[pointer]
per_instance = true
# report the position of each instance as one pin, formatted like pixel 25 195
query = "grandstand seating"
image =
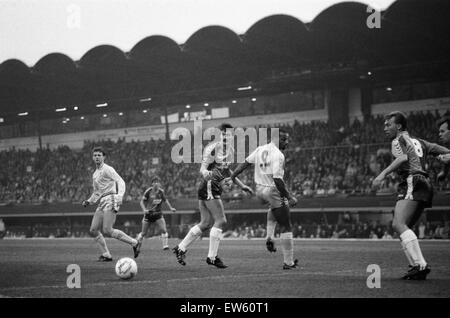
pixel 327 162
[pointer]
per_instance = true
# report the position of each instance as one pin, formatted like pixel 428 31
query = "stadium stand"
pixel 291 67
pixel 64 174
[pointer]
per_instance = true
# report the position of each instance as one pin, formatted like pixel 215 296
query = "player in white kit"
pixel 270 188
pixel 109 189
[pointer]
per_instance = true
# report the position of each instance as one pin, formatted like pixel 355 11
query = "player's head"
pixel 226 131
pixel 98 155
pixel 282 138
pixel 394 123
pixel 444 129
pixel 156 182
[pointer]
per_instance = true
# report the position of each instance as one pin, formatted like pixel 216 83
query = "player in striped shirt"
pixel 109 189
pixel 415 191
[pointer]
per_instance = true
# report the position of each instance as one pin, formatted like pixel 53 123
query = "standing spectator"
pixel 2 229
pixel 422 230
pixel 387 236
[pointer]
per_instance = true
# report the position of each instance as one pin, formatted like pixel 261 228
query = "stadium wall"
pixel 143 133
pixel 354 104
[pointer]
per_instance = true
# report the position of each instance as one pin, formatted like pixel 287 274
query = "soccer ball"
pixel 126 268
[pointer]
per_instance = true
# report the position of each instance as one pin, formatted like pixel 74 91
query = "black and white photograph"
pixel 224 155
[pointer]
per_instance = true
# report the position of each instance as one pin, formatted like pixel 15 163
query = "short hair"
pixel 399 119
pixel 99 149
pixel 225 126
pixel 443 120
pixel 283 130
pixel 155 179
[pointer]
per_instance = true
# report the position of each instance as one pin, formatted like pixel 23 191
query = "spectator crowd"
pixel 246 230
pixel 321 161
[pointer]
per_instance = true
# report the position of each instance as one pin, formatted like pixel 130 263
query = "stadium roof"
pixel 215 56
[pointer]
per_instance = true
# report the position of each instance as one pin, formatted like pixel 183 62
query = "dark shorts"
pixel 209 190
pixel 151 217
pixel 282 215
pixel 416 188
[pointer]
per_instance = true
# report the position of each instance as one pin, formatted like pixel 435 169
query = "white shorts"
pixel 108 203
pixel 270 195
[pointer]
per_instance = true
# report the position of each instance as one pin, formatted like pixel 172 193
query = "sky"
pixel 31 29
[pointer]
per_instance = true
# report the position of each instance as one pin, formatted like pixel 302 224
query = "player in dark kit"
pixel 215 167
pixel 415 192
pixel 151 204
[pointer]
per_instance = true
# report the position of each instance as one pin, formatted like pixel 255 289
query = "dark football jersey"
pixel 417 151
pixel 153 200
pixel 218 158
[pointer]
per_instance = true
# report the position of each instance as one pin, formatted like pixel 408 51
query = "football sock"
pixel 271 225
pixel 405 250
pixel 194 233
pixel 287 246
pixel 409 238
pixel 165 239
pixel 100 240
pixel 121 236
pixel 214 239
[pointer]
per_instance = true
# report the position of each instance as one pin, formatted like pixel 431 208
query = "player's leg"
pixel 142 234
pixel 264 195
pixel 281 213
pixel 94 231
pixel 109 218
pixel 411 224
pixel 161 223
pixel 282 216
pixel 405 211
pixel 270 237
pixel 215 235
pixel 194 233
pixel 144 229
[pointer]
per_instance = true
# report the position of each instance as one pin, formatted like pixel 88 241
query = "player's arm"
pixel 120 184
pixel 391 168
pixel 93 198
pixel 242 166
pixel 239 169
pixel 237 181
pixel 164 199
pixel 278 174
pixel 208 158
pixel 171 208
pixel 442 154
pixel 401 157
pixel 284 193
pixel 143 200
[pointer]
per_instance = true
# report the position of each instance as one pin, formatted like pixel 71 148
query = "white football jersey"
pixel 269 164
pixel 104 181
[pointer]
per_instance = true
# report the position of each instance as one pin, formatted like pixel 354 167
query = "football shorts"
pixel 417 188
